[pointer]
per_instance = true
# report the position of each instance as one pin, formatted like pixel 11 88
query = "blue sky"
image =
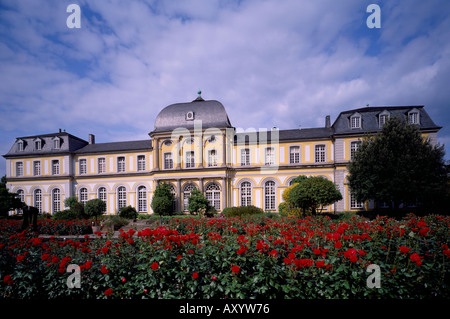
pixel 271 63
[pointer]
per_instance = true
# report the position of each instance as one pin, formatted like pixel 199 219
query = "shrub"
pixel 197 202
pixel 66 214
pixel 242 211
pixel 162 202
pixel 94 208
pixel 128 212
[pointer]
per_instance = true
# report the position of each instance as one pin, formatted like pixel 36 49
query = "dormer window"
pixel 38 144
pixel 355 121
pixel 56 143
pixel 383 118
pixel 413 116
pixel 20 146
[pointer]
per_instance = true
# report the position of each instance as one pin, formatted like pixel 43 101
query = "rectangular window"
pixel 355 204
pixel 20 146
pixel 212 158
pixel 19 169
pixel 355 122
pixel 36 168
pixel 101 165
pixel 141 163
pixel 190 159
pixel 56 143
pixel 383 119
pixel 354 148
pixel 269 158
pixel 55 167
pixel 83 166
pixel 37 145
pixel 319 155
pixel 121 164
pixel 245 156
pixel 294 154
pixel 168 161
pixel 413 118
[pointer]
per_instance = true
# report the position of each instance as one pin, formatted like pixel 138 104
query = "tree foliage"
pixel 8 201
pixel 398 165
pixel 162 202
pixel 94 208
pixel 313 192
pixel 197 202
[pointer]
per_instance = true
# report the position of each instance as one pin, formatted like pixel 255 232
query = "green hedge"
pixel 242 211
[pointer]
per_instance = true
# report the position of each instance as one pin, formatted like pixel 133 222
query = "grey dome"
pixel 212 114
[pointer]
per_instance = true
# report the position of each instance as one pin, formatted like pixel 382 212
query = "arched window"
pixel 83 195
pixel 246 194
pixel 121 197
pixel 186 194
pixel 269 195
pixel 56 200
pixel 213 195
pixel 142 199
pixel 174 203
pixel 101 194
pixel 38 200
pixel 21 195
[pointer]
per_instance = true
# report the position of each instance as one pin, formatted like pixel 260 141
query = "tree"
pixel 8 201
pixel 94 208
pixel 397 165
pixel 162 202
pixel 314 192
pixel 197 202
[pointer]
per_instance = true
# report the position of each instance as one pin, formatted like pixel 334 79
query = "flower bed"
pixel 236 258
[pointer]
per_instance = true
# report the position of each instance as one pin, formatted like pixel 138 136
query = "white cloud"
pixel 271 63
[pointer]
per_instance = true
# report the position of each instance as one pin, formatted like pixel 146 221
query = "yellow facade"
pixel 232 168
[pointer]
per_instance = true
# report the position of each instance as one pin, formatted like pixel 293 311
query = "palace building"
pixel 194 146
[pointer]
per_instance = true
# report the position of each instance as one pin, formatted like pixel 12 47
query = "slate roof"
pixel 370 117
pixel 287 135
pixel 212 114
pixel 69 143
pixel 115 147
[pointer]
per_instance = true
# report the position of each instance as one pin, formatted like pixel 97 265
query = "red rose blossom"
pixel 155 266
pixel 108 292
pixel 195 275
pixel 235 269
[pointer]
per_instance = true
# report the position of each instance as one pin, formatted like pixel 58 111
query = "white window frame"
pixel 101 194
pixel 212 158
pixel 121 164
pixel 38 145
pixel 121 197
pixel 355 121
pixel 270 195
pixel 56 200
pixel 56 143
pixel 383 118
pixel 168 162
pixel 84 195
pixel 101 165
pixel 213 194
pixel 142 199
pixel 320 155
pixel 37 168
pixel 269 156
pixel 353 148
pixel 83 166
pixel 56 169
pixel 187 190
pixel 19 169
pixel 355 204
pixel 20 146
pixel 141 163
pixel 37 199
pixel 189 159
pixel 414 116
pixel 246 193
pixel 245 157
pixel 294 157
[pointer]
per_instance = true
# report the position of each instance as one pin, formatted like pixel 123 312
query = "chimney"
pixel 91 139
pixel 327 121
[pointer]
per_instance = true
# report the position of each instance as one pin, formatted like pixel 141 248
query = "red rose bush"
pixel 280 257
